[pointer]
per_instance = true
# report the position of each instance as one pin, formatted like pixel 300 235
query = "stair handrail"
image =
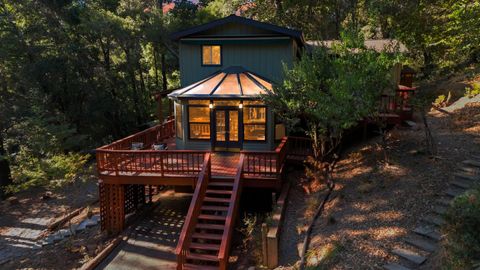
pixel 193 211
pixel 231 215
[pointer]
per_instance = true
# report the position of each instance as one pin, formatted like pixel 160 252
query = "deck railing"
pixel 397 103
pixel 224 250
pixel 266 164
pixel 193 212
pixel 149 136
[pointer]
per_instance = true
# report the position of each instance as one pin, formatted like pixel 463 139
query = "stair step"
pixel 434 219
pixel 440 210
pixel 189 266
pixel 207 236
pixel 395 266
pixel 219 191
pixel 467 177
pixel 475 156
pixel 212 217
pixel 204 246
pixel 219 200
pixel 210 226
pixel 446 201
pixel 220 184
pixel 202 257
pixel 454 192
pixel 409 255
pixel 470 162
pixel 460 184
pixel 470 170
pixel 214 208
pixel 422 244
pixel 427 232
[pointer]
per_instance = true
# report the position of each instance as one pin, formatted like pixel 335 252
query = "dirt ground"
pixel 26 220
pixel 375 204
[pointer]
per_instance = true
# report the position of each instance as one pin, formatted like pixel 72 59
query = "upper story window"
pixel 211 55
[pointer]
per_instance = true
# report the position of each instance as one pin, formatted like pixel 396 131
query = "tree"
pixel 330 92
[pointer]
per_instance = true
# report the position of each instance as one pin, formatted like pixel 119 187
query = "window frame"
pixel 179 136
pixel 211 65
pixel 247 124
pixel 204 123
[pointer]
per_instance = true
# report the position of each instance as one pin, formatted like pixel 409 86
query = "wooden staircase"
pixel 206 235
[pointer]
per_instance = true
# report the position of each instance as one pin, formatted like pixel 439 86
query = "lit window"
pixel 178 120
pixel 211 55
pixel 199 122
pixel 254 122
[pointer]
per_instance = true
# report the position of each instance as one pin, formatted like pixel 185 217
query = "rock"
pixel 13 200
pixel 47 195
pixel 409 255
pixel 422 244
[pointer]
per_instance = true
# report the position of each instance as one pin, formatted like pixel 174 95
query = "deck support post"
pixel 112 207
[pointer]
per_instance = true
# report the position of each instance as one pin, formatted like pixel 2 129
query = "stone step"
pixel 445 201
pixel 470 170
pixel 472 163
pixel 475 156
pixel 421 244
pixel 434 219
pixel 440 210
pixel 409 255
pixel 395 266
pixel 467 176
pixel 428 231
pixel 461 184
pixel 454 192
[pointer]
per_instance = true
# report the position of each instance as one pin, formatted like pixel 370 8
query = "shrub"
pixel 462 229
pixel 51 171
pixel 470 92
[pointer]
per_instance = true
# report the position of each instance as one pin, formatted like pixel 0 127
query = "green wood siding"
pixel 263 59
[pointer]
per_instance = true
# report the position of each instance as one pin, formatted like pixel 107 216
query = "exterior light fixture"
pixel 210 105
pixel 240 106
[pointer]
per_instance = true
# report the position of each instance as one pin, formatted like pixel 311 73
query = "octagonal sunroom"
pixel 225 112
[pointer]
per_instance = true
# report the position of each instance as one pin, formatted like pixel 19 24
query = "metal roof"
pixel 241 20
pixel 232 82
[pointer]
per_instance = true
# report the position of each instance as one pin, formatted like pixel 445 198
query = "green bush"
pixel 51 171
pixel 462 229
pixel 470 92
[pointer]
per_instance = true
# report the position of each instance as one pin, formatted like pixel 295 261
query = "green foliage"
pixel 331 90
pixel 471 92
pixel 52 171
pixel 462 241
pixel 442 100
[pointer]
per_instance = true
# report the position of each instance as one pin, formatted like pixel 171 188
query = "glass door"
pixel 226 128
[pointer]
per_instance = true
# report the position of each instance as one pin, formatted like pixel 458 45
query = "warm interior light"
pixel 240 105
pixel 210 105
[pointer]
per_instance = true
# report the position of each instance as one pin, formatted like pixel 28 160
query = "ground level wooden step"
pixel 207 236
pixel 210 226
pixel 440 209
pixel 214 208
pixel 219 191
pixel 421 244
pixel 409 255
pixel 446 201
pixel 212 217
pixel 395 266
pixel 202 257
pixel 220 184
pixel 218 200
pixel 454 192
pixel 189 266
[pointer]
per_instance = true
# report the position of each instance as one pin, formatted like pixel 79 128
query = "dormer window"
pixel 211 55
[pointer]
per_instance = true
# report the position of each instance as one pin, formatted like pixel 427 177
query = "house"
pixel 225 66
pixel 221 140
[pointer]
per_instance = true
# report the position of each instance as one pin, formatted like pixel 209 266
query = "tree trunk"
pixel 164 74
pixel 5 175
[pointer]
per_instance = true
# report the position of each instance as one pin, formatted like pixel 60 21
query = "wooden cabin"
pixel 225 67
pixel 222 137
